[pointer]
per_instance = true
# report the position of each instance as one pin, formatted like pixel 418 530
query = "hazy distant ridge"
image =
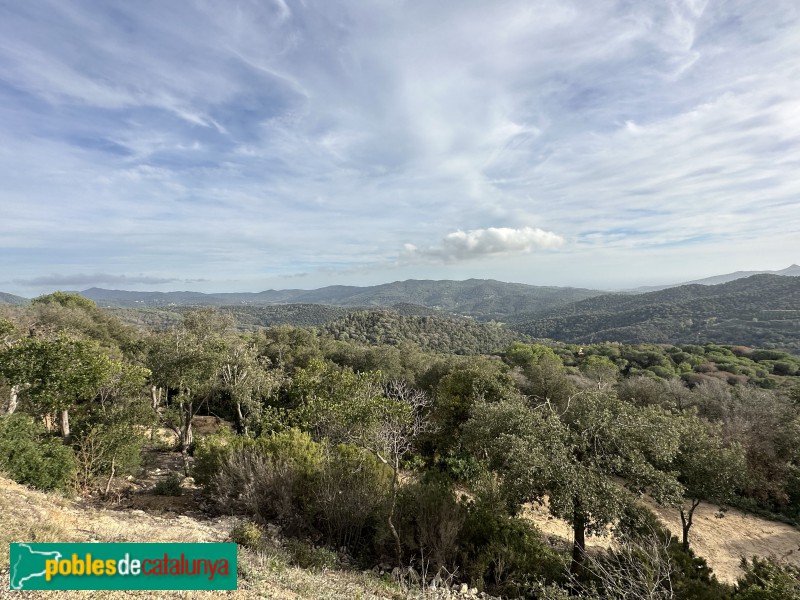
pixel 483 298
pixel 12 299
pixel 760 310
pixel 791 271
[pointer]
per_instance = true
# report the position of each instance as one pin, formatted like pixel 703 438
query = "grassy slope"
pixel 27 515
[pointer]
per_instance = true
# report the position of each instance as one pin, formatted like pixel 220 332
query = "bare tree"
pixel 639 569
pixel 399 424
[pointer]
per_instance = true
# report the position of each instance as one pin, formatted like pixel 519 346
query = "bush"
pixel 504 554
pixel 29 455
pixel 268 478
pixel 307 556
pixel 171 486
pixel 430 519
pixel 248 535
pixel 210 452
pixel 768 579
pixel 350 494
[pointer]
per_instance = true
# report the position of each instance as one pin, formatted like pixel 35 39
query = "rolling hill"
pixel 12 299
pixel 480 298
pixel 790 271
pixel 760 310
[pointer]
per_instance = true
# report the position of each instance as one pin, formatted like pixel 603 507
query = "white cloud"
pixel 493 241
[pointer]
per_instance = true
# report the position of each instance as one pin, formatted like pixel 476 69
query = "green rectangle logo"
pixel 92 566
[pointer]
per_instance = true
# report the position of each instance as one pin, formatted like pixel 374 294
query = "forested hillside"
pixel 762 310
pixel 12 299
pixel 484 299
pixel 430 333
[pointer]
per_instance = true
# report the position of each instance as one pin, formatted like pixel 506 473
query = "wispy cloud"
pixel 271 138
pixel 80 279
pixel 477 243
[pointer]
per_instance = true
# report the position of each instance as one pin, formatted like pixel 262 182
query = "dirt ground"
pixel 28 515
pixel 721 541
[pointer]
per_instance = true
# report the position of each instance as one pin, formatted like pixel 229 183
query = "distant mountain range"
pixel 791 271
pixel 12 299
pixel 480 298
pixel 760 310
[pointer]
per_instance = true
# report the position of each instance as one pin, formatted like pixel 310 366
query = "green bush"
pixel 768 579
pixel 209 454
pixel 29 455
pixel 171 486
pixel 307 556
pixel 268 478
pixel 430 519
pixel 350 497
pixel 503 554
pixel 248 535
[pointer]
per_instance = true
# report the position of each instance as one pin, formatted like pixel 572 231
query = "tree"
pixel 600 369
pixel 571 455
pixel 243 376
pixel 109 432
pixel 57 373
pixel 710 469
pixel 354 408
pixel 185 361
pixel 544 372
pixel 7 370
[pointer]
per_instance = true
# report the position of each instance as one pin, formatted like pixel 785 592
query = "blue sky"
pixel 247 145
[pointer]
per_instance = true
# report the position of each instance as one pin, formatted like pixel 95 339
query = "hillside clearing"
pixel 721 541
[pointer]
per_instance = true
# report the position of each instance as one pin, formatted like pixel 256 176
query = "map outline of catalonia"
pixel 14 569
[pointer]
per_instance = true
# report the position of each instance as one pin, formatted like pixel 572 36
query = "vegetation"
pixel 761 310
pixel 418 441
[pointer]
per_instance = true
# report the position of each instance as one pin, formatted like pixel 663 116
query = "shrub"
pixel 350 493
pixel 504 554
pixel 32 457
pixel 170 486
pixel 209 454
pixel 247 534
pixel 430 522
pixel 768 579
pixel 307 556
pixel 268 478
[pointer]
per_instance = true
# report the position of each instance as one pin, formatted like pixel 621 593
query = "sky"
pixel 251 145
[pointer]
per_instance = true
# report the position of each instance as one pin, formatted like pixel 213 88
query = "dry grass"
pixel 27 515
pixel 721 541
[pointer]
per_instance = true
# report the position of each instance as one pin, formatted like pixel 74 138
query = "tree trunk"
pixel 579 538
pixel 155 397
pixel 186 434
pixel 241 427
pixel 12 400
pixel 111 477
pixel 64 423
pixel 390 518
pixel 686 522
